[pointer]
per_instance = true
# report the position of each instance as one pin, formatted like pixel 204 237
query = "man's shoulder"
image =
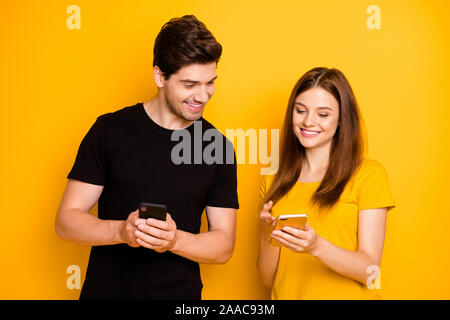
pixel 123 115
pixel 206 125
pixel 209 131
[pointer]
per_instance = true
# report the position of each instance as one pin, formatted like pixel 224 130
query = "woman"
pixel 324 174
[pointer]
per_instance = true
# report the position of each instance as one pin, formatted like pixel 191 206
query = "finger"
pixel 134 244
pixel 298 233
pixel 138 222
pixel 269 220
pixel 155 232
pixel 170 221
pixel 268 206
pixel 274 222
pixel 287 244
pixel 290 238
pixel 168 224
pixel 164 225
pixel 267 217
pixel 148 238
pixel 131 217
pixel 145 244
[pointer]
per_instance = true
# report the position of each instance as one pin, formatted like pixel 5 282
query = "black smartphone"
pixel 152 210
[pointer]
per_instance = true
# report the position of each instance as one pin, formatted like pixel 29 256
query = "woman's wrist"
pixel 265 237
pixel 318 248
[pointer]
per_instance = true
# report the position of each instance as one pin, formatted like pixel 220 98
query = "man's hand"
pixel 128 229
pixel 156 234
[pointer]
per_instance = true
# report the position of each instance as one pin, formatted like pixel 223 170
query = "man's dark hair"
pixel 184 41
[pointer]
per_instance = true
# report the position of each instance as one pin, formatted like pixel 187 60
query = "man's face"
pixel 188 90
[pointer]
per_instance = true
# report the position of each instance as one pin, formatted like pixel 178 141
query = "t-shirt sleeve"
pixel 223 192
pixel 90 162
pixel 374 189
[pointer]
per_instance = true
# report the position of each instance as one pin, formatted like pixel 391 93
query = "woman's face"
pixel 315 118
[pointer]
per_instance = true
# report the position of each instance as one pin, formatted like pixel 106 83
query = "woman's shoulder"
pixel 369 167
pixel 371 164
pixel 264 187
pixel 267 180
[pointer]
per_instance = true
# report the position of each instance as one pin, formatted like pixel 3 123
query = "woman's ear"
pixel 158 76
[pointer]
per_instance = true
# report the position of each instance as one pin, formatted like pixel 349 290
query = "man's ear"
pixel 158 76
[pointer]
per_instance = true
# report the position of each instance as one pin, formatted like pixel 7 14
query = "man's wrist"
pixel 116 227
pixel 176 245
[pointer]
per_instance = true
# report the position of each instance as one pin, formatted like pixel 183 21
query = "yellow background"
pixel 54 82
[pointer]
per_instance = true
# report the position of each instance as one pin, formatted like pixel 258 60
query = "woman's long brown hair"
pixel 347 147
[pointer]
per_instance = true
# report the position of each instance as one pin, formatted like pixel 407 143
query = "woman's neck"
pixel 315 164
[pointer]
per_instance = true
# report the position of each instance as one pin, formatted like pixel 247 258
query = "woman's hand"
pixel 297 240
pixel 267 221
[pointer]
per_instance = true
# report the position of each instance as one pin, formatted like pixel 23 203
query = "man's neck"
pixel 158 110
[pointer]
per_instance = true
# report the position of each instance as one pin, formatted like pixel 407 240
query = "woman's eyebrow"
pixel 321 107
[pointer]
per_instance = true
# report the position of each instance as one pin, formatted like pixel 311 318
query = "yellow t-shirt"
pixel 302 276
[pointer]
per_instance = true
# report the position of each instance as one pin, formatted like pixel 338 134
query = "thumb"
pixel 170 220
pixel 133 216
pixel 269 219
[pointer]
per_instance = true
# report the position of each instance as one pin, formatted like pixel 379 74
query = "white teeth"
pixel 194 105
pixel 309 132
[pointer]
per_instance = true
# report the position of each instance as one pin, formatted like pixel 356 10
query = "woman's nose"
pixel 309 120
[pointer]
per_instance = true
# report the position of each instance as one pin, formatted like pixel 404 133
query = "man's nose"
pixel 202 95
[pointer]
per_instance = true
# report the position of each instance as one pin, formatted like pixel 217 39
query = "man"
pixel 125 159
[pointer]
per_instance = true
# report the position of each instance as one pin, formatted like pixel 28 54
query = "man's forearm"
pixel 83 228
pixel 206 247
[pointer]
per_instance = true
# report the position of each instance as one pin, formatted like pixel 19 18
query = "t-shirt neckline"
pixel 156 126
pixel 309 183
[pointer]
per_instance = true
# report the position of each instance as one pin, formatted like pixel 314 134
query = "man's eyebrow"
pixel 321 107
pixel 188 81
pixel 194 81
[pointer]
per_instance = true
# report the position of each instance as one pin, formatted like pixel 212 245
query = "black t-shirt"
pixel 131 156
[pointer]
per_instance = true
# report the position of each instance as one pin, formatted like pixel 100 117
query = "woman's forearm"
pixel 352 264
pixel 267 262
